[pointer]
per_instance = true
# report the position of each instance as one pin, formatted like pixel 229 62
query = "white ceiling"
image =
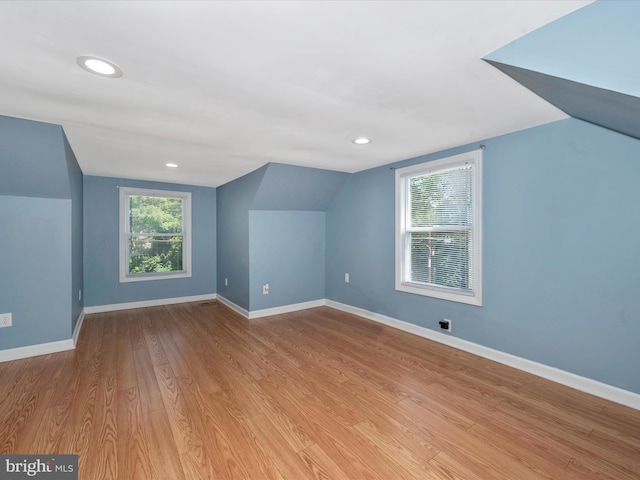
pixel 223 87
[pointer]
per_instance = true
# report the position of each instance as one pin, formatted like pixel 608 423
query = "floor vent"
pixel 209 304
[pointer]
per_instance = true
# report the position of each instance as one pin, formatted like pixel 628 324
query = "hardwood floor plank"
pixel 526 452
pixel 125 365
pixel 394 448
pixel 146 379
pixel 77 438
pixel 281 411
pixel 581 468
pixel 275 445
pixel 319 463
pixel 55 425
pixel 445 467
pixel 243 441
pixel 105 432
pixel 224 434
pixel 28 412
pixel 133 447
pixel 163 454
pixel 195 391
pixel 13 383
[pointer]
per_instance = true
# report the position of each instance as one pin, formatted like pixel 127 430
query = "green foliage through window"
pixel 155 234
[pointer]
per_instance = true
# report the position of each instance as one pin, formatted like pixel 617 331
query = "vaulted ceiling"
pixel 223 87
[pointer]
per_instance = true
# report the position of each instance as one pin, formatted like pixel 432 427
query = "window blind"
pixel 440 227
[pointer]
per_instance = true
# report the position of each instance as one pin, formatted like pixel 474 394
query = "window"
pixel 438 228
pixel 155 234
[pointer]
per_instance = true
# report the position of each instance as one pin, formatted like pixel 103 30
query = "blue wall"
pixel 234 200
pixel 77 234
pixel 101 254
pixel 41 246
pixel 560 251
pixel 35 247
pixel 33 159
pixel 271 229
pixel 287 251
pixel 288 187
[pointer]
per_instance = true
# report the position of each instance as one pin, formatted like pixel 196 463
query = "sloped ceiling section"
pixel 583 64
pixel 609 109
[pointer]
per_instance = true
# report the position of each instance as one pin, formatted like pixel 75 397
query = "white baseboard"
pixel 233 306
pixel 36 350
pixel 266 312
pixel 286 308
pixel 587 385
pixel 149 303
pixel 76 330
pixel 43 348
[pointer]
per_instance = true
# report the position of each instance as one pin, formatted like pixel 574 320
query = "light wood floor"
pixel 194 391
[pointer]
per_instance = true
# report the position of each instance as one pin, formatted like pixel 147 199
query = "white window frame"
pixel 125 276
pixel 402 175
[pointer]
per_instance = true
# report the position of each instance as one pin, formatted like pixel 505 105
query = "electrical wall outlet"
pixel 226 282
pixel 346 278
pixel 445 324
pixel 265 289
pixel 5 320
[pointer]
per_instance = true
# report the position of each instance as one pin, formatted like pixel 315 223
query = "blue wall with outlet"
pixel 41 244
pixel 101 250
pixel 287 251
pixel 36 270
pixel 271 230
pixel 560 251
pixel 234 201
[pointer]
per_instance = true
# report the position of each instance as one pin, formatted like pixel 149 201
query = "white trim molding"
pixel 125 234
pixel 266 312
pixel 587 385
pixel 236 308
pixel 405 229
pixel 76 330
pixel 149 303
pixel 36 350
pixel 294 307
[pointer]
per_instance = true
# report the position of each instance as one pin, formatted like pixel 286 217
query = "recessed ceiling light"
pixel 361 140
pixel 99 66
pixel 172 165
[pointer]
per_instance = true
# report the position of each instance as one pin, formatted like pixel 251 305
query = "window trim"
pixel 125 193
pixel 401 175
